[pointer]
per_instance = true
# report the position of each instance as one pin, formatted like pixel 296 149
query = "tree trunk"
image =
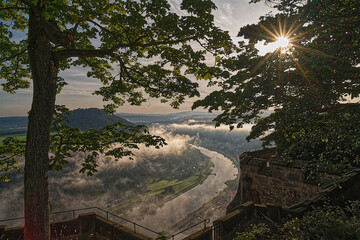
pixel 44 74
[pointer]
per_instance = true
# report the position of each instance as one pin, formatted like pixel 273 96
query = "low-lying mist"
pixel 114 181
pixel 117 181
pixel 221 139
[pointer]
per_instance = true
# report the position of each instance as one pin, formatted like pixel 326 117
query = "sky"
pixel 230 16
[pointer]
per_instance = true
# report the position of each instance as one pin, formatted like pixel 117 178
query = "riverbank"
pixel 162 191
pixel 163 217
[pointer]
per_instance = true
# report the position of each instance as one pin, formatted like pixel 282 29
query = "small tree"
pixel 137 49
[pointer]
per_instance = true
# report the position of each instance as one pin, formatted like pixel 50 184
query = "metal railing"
pixel 11 219
pixel 108 214
pixel 74 211
pixel 205 221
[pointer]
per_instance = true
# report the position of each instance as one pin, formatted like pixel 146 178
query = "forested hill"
pixel 13 125
pixel 92 118
pixel 82 118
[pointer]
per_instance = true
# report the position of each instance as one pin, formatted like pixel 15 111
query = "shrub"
pixel 255 232
pixel 326 222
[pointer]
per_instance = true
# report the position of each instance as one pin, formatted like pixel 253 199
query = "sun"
pixel 279 43
pixel 279 40
pixel 282 42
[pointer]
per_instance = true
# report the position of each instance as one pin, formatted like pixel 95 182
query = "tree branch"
pixel 13 56
pixel 30 4
pixel 125 69
pixel 74 30
pixel 53 162
pixel 57 36
pixel 101 27
pixel 137 44
pixel 67 53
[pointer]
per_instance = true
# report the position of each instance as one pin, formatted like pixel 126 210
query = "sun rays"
pixel 280 40
pixel 285 45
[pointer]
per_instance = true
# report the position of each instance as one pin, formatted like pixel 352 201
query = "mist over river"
pixel 173 211
pixel 118 183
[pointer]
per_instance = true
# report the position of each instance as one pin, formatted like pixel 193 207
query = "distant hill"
pixel 179 117
pixel 92 118
pixel 82 118
pixel 13 122
pixel 13 125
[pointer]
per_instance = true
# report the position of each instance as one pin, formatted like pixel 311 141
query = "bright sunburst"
pixel 282 42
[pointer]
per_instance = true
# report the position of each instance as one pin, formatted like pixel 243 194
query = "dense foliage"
pixel 327 222
pixel 131 34
pixel 303 97
pixel 137 49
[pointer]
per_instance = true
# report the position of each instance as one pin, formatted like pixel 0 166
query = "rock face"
pixel 266 180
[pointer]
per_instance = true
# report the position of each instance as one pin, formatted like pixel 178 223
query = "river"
pixel 178 208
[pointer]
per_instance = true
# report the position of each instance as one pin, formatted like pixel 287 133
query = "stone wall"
pixel 266 180
pixel 225 228
pixel 275 184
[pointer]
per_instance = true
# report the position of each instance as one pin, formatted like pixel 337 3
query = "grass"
pixel 156 187
pixel 21 136
pixel 161 185
pixel 229 183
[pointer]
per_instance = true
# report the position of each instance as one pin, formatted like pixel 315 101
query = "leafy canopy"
pixel 298 97
pixel 137 49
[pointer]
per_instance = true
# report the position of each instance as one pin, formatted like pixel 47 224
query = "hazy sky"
pixel 230 16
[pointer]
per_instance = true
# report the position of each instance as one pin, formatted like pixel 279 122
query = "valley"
pixel 139 189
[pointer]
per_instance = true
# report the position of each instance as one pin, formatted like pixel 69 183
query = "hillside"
pixel 13 125
pixel 81 118
pixel 92 118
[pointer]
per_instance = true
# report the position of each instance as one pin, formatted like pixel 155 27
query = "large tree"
pixel 136 48
pixel 304 96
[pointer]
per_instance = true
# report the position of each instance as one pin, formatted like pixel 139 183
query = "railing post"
pixel 212 232
pixel 173 237
pixel 134 227
pixel 73 212
pixel 107 216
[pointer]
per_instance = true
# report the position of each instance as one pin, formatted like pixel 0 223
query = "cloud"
pixel 70 189
pixel 231 15
pixel 177 144
pixel 208 127
pixel 12 200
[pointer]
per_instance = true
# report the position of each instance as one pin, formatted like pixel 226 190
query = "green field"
pixel 160 184
pixel 157 187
